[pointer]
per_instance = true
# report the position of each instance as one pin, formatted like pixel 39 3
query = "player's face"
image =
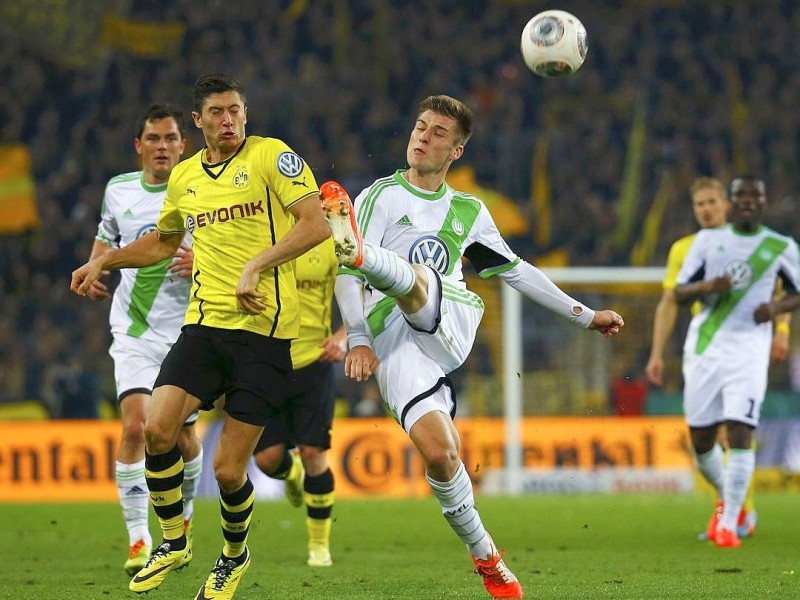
pixel 433 144
pixel 222 121
pixel 748 200
pixel 160 147
pixel 710 207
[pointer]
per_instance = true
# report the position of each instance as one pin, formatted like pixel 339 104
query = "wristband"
pixel 782 327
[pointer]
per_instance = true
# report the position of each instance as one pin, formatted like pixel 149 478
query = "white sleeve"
pixel 348 289
pixel 107 229
pixel 533 284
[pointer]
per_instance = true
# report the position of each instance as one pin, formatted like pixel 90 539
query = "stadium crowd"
pixel 670 90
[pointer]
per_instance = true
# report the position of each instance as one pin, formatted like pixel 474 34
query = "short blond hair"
pixel 705 183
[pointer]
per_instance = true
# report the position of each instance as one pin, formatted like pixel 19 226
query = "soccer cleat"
pixel 224 578
pixel 746 525
pixel 319 556
pixel 726 538
pixel 498 580
pixel 293 485
pixel 138 554
pixel 161 561
pixel 711 529
pixel 338 210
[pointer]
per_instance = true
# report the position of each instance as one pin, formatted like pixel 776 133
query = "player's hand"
pixel 655 371
pixel 334 348
pixel 763 313
pixel 360 363
pixel 83 277
pixel 98 290
pixel 248 299
pixel 716 285
pixel 607 322
pixel 182 262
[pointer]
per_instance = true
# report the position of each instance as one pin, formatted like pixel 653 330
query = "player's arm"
pixel 663 323
pixel 697 288
pixel 361 362
pixel 308 231
pixel 782 331
pixel 98 290
pixel 334 347
pixel 148 250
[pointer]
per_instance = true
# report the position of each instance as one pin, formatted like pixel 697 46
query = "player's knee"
pixel 158 439
pixel 133 433
pixel 229 476
pixel 441 459
pixel 269 460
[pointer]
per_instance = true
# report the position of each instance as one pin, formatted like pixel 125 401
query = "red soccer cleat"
pixel 726 538
pixel 498 580
pixel 341 218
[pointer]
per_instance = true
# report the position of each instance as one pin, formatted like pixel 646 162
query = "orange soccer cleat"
pixel 726 538
pixel 711 530
pixel 498 579
pixel 341 218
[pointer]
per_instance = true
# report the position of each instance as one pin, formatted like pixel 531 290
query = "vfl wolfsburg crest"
pixel 240 178
pixel 432 252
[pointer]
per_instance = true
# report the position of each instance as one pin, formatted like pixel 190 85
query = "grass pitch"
pixel 616 547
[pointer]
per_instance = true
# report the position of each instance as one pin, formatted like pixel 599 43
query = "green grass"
pixel 559 546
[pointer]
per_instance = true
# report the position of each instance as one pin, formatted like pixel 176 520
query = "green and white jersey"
pixel 431 228
pixel 725 327
pixel 149 303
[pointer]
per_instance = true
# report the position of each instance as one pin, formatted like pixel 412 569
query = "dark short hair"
pixel 736 183
pixel 450 107
pixel 156 112
pixel 214 83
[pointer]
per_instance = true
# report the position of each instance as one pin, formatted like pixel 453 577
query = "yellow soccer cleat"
pixel 319 556
pixel 294 481
pixel 138 554
pixel 162 561
pixel 224 578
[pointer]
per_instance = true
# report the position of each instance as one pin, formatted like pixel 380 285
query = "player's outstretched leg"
pixel 384 269
pixel 319 497
pixel 458 507
pixel 135 503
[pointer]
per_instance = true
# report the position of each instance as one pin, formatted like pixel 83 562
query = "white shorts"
pixel 416 352
pixel 136 366
pixel 722 389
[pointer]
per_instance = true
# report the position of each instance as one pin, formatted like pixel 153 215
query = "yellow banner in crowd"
pixel 75 460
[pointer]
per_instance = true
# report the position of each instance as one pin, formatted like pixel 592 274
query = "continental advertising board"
pixel 75 460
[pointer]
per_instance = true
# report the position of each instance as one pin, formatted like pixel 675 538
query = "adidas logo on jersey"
pixel 135 491
pixel 128 213
pixel 404 221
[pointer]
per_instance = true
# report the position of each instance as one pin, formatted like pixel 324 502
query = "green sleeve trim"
pixel 486 273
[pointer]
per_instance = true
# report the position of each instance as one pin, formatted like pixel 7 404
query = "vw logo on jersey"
pixel 432 252
pixel 740 273
pixel 289 164
pixel 190 223
pixel 145 229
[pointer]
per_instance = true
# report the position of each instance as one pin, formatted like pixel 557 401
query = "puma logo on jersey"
pixel 404 221
pixel 191 192
pixel 303 183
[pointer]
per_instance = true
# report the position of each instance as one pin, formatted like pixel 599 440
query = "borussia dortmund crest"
pixel 240 178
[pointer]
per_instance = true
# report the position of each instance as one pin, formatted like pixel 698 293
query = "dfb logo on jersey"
pixel 190 223
pixel 289 164
pixel 144 230
pixel 740 273
pixel 431 252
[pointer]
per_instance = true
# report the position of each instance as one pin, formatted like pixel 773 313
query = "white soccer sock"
pixel 458 508
pixel 712 464
pixel 134 499
pixel 191 479
pixel 738 473
pixel 386 271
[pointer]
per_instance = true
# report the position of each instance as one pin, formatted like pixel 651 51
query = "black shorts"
pixel 307 417
pixel 250 369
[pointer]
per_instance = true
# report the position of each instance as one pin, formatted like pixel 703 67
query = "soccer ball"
pixel 554 43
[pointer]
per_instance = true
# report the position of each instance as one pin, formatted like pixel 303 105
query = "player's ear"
pixel 457 152
pixel 137 144
pixel 196 119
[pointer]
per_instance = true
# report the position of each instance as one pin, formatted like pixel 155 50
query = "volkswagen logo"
pixel 431 252
pixel 289 164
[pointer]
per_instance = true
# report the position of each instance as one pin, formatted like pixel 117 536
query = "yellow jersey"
pixel 235 210
pixel 316 273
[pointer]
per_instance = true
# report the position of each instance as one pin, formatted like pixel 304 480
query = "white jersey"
pixel 725 326
pixel 429 228
pixel 149 303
